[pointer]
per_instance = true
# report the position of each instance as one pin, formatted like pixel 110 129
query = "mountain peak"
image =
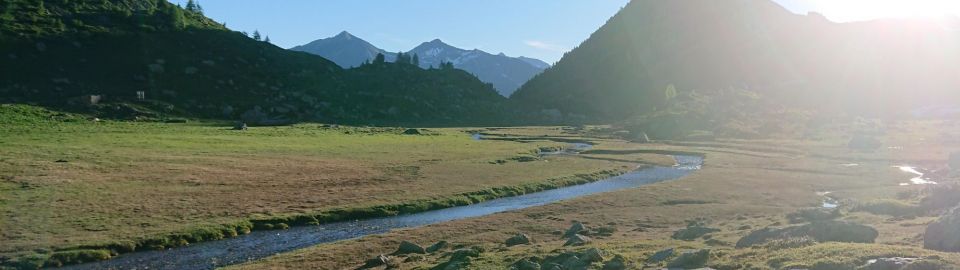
pixel 344 35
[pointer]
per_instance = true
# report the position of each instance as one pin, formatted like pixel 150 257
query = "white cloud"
pixel 545 46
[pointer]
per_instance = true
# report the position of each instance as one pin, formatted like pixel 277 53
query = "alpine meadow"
pixel 443 135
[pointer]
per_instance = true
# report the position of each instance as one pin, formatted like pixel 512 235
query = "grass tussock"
pixel 894 208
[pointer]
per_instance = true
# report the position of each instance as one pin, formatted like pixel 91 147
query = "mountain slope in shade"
pixel 344 49
pixel 152 59
pixel 870 67
pixel 505 73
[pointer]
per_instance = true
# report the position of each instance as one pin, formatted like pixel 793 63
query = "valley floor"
pixel 744 186
pixel 70 184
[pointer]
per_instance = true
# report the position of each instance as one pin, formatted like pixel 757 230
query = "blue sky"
pixel 542 29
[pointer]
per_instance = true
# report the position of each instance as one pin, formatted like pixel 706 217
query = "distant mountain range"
pixel 506 73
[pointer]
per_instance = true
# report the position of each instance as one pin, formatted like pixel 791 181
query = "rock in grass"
pixel 944 234
pixel 591 255
pixel 577 240
pixel 821 231
pixel 693 232
pixel 437 247
pixel 519 239
pixel 375 262
pixel 838 231
pixel 617 263
pixel 691 259
pixel 407 247
pixel 412 131
pixel 240 126
pixel 575 229
pixel 525 264
pixel 465 253
pixel 661 256
pixel 895 263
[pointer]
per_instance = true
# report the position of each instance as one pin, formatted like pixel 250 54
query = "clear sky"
pixel 542 29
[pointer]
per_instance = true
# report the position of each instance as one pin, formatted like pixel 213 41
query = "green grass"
pixel 69 184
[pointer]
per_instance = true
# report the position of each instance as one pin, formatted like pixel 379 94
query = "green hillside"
pixel 58 53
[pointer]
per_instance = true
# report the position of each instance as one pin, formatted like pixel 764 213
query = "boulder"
pixel 693 232
pixel 660 256
pixel 577 240
pixel 407 247
pixel 437 247
pixel 412 131
pixel 375 262
pixel 591 255
pixel 574 229
pixel 691 259
pixel 519 239
pixel 465 253
pixel 838 231
pixel 944 233
pixel 525 264
pixel 240 126
pixel 821 231
pixel 617 263
pixel 895 263
pixel 574 262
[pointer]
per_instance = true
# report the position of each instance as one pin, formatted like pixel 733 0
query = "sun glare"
pixel 853 10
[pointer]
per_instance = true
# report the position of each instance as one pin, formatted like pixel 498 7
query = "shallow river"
pixel 262 244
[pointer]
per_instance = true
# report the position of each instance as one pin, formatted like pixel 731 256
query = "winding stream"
pixel 261 244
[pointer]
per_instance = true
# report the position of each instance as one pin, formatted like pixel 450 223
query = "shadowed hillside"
pixel 60 53
pixel 804 61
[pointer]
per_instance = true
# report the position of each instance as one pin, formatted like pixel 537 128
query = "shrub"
pixel 890 208
pixel 813 214
pixel 61 258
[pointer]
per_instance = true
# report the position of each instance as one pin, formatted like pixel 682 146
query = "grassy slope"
pixel 57 51
pixel 124 181
pixel 744 183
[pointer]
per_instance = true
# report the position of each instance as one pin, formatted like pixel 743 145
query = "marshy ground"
pixel 745 186
pixel 72 187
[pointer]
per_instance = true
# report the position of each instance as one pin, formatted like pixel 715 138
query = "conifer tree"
pixel 403 58
pixel 191 6
pixel 380 59
pixel 416 60
pixel 267 39
pixel 256 35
